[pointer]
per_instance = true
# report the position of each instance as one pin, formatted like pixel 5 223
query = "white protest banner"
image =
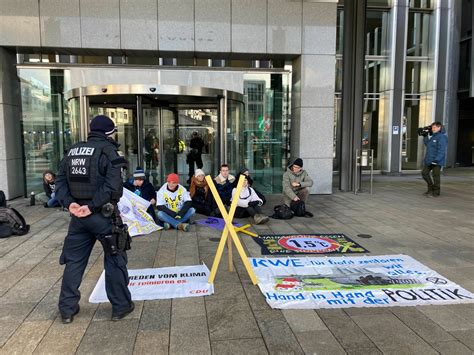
pixel 161 283
pixel 133 212
pixel 359 281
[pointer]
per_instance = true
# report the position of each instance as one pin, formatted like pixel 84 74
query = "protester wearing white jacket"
pixel 249 204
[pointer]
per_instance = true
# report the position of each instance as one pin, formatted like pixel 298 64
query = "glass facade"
pixel 47 124
pixel 156 135
pixel 418 78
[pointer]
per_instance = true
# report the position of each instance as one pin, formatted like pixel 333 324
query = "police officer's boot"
pixel 122 315
pixel 69 319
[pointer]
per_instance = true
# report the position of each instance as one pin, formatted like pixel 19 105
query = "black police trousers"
pixel 81 237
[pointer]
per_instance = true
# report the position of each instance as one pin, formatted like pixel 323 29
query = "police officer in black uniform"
pixel 89 184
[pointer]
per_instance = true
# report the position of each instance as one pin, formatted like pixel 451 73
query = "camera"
pixel 424 131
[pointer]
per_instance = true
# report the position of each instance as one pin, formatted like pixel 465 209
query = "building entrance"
pixel 163 133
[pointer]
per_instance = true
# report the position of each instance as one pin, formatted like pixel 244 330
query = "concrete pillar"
pixel 11 150
pixel 313 86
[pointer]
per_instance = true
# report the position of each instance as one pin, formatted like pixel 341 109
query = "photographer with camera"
pixel 436 142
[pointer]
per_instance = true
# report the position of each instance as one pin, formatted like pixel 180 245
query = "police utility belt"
pixel 119 239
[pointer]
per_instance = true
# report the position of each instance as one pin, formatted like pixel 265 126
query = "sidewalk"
pixel 438 232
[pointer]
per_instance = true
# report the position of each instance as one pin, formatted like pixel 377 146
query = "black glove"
pixel 435 162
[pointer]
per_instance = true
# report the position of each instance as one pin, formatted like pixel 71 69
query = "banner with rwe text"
pixel 359 281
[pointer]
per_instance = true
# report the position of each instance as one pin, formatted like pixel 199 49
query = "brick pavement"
pixel 236 319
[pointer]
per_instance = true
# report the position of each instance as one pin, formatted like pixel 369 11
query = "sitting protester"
pixel 143 188
pixel 246 172
pixel 49 186
pixel 200 194
pixel 224 184
pixel 174 204
pixel 249 204
pixel 296 183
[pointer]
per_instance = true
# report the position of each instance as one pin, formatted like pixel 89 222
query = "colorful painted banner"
pixel 287 244
pixel 133 212
pixel 358 281
pixel 214 222
pixel 162 283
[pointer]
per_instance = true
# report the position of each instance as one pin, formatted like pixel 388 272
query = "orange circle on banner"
pixel 306 244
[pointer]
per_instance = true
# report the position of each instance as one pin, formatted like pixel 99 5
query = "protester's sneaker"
pixel 428 193
pixel 45 205
pixel 125 313
pixel 166 226
pixel 260 219
pixel 183 227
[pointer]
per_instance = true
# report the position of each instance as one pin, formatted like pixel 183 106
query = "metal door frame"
pixel 221 97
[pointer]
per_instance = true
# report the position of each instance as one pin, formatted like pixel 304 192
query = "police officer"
pixel 89 181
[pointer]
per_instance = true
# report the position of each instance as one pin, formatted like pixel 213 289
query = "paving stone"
pixel 422 325
pixel 376 327
pixel 346 331
pixel 276 333
pixel 465 336
pixel 254 346
pixel 319 342
pixel 303 320
pixel 66 338
pixel 363 351
pixel 150 341
pixel 120 337
pixel 255 297
pixel 29 290
pixel 11 317
pixel 447 319
pixel 26 337
pixel 230 318
pixel 452 347
pixel 156 315
pixel 189 335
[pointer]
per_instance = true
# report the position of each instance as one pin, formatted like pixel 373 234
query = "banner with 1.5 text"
pixel 358 281
pixel 161 283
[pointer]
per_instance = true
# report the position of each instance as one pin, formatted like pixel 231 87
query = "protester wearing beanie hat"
pixel 298 162
pixel 199 172
pixel 174 204
pixel 296 183
pixel 173 178
pixel 139 173
pixel 104 124
pixel 140 186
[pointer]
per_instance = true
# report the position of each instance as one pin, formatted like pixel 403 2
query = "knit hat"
pixel 104 124
pixel 299 162
pixel 139 173
pixel 199 172
pixel 173 178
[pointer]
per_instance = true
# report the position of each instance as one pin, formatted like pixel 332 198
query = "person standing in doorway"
pixel 436 144
pixel 195 154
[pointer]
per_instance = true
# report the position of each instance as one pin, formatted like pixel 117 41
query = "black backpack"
pixel 3 199
pixel 282 212
pixel 298 208
pixel 12 218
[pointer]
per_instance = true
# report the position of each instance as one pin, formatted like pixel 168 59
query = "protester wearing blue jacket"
pixel 436 145
pixel 143 188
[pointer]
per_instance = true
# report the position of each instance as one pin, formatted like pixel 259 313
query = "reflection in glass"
pixel 48 126
pixel 259 140
pixel 418 33
pixel 126 122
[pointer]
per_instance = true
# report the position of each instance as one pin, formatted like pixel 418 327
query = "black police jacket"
pixel 90 173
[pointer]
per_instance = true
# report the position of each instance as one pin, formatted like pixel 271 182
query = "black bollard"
pixel 32 199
